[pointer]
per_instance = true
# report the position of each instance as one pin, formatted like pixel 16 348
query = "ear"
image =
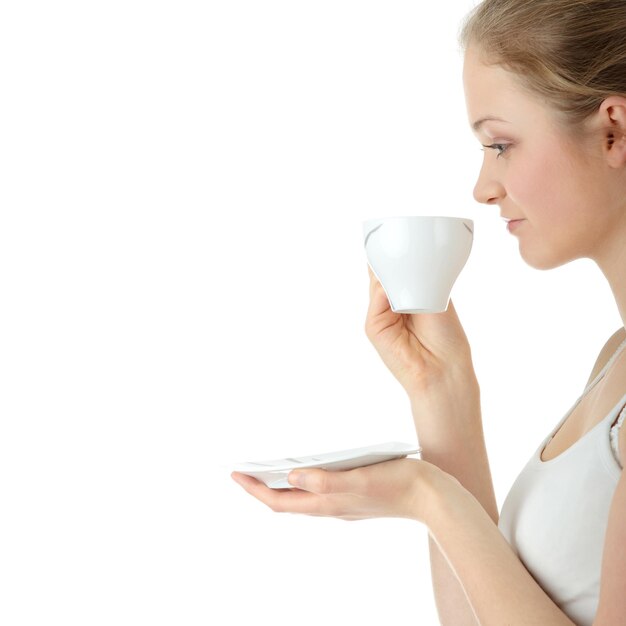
pixel 613 118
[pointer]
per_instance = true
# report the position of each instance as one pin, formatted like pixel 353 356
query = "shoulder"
pixel 605 354
pixel 613 576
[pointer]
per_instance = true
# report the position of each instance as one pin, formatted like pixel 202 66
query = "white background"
pixel 183 286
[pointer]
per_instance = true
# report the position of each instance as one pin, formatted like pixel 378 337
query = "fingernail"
pixel 296 479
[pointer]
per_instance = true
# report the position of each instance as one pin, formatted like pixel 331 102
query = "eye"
pixel 500 147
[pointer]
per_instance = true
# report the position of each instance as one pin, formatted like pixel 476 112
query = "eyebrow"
pixel 476 125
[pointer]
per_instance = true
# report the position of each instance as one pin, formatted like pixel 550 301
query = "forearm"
pixel 449 428
pixel 469 465
pixel 499 588
pixel 452 604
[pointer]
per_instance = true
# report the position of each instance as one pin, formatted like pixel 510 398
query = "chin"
pixel 544 260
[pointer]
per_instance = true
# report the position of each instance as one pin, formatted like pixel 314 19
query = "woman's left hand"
pixel 398 488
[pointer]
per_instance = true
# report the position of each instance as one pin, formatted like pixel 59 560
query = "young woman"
pixel 545 85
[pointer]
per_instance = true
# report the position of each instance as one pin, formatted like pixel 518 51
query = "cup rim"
pixel 418 217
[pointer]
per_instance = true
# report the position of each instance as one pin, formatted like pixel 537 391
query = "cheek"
pixel 553 193
pixel 544 188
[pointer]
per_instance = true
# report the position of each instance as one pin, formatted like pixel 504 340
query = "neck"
pixel 613 266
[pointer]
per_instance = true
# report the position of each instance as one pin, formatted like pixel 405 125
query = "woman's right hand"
pixel 421 349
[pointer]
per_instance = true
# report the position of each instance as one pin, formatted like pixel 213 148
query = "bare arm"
pixel 457 447
pixel 499 589
pixel 430 356
pixel 449 426
pixel 483 560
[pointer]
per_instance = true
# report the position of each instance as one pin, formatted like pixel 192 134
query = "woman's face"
pixel 566 195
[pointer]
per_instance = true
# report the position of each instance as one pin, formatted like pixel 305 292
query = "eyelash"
pixel 501 147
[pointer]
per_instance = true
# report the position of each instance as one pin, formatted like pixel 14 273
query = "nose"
pixel 488 189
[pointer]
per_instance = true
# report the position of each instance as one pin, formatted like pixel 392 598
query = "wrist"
pixel 432 486
pixel 454 379
pixel 452 402
pixel 441 375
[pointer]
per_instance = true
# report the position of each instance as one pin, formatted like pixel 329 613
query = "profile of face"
pixel 570 193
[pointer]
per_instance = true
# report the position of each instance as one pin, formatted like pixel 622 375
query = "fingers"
pixel 373 280
pixel 324 482
pixel 279 500
pixel 441 334
pixel 311 481
pixel 379 303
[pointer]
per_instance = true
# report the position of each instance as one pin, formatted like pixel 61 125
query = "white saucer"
pixel 274 473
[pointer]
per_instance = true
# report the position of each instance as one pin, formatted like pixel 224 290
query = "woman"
pixel 545 87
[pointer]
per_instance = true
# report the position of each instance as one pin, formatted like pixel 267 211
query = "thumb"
pixel 439 331
pixel 321 481
pixel 379 302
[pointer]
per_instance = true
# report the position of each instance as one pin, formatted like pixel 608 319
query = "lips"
pixel 513 224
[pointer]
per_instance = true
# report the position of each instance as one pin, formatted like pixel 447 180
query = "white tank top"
pixel 556 513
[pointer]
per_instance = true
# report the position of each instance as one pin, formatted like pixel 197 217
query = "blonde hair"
pixel 570 53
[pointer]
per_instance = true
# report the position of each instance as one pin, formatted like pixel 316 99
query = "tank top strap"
pixel 605 369
pixel 614 434
pixel 536 459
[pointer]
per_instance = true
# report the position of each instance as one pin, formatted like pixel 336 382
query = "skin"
pixel 571 194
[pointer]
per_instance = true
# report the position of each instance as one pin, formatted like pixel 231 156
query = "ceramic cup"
pixel 417 259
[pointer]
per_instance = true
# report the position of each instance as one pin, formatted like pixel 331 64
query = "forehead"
pixel 492 91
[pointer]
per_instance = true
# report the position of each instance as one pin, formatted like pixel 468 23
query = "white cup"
pixel 417 259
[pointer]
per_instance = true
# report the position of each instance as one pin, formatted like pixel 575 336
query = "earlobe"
pixel 616 149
